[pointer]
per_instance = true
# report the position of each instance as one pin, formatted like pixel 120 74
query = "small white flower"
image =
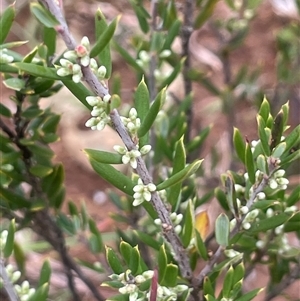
pixel 142 192
pixel 133 113
pixel 145 149
pixel 148 274
pixel 279 173
pixel 101 72
pixel 70 55
pixel 282 181
pixel 144 56
pixel 165 53
pixel 4 57
pixel 93 100
pixel 273 184
pixel 107 98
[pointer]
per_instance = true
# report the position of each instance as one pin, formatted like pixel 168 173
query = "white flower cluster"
pixel 277 181
pixel 169 293
pixel 130 156
pixel 100 117
pixel 131 286
pixel 132 122
pixel 24 290
pixel 175 219
pixel 69 65
pixel 142 192
pixel 4 57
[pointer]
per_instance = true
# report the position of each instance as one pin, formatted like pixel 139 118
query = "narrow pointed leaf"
pixel 200 246
pixel 43 15
pixel 239 145
pixel 205 13
pixel 250 163
pixel 170 279
pixel 188 225
pixel 113 261
pixel 6 21
pixel 37 70
pixel 104 157
pixel 45 273
pixel 162 263
pixel 180 176
pixel 172 34
pixel 104 39
pixel 228 283
pixel 152 113
pixel 113 176
pixel 264 110
pixel 263 136
pixel 4 111
pixel 9 245
pixel 277 129
pixel 104 56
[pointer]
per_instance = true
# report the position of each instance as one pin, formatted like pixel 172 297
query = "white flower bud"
pixel 279 173
pixel 269 212
pixel 132 113
pixel 85 42
pixel 107 98
pixel 260 244
pixel 144 56
pixel 261 195
pixel 157 221
pixel 178 229
pixel 151 187
pixel 93 100
pixel 148 274
pixel 140 279
pixel 273 184
pixel 244 210
pixel 246 225
pixel 282 181
pixel 70 55
pixel 145 149
pixel 165 53
pixel 15 276
pixel 101 72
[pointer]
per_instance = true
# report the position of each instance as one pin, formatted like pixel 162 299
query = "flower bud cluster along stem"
pixel 100 90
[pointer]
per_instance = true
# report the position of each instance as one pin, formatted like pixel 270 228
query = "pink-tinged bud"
pixel 81 50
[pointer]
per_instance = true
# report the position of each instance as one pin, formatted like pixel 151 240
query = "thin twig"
pixel 169 232
pixel 7 285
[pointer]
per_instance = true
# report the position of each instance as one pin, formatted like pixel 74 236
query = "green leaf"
pixel 5 111
pixel 113 176
pixel 32 112
pixel 205 13
pixel 250 163
pixel 178 165
pixel 188 225
pixel 40 170
pixel 231 195
pixel 14 83
pixel 261 163
pixel 103 157
pixel 221 197
pixel 141 14
pixel 279 150
pixel 142 105
pixel 208 287
pixel 228 283
pixel 15 200
pixel 180 176
pixel 239 145
pixel 162 263
pixel 104 39
pixel 239 273
pixel 45 273
pixel 152 113
pixel 96 242
pixel 49 39
pixel 269 223
pixel 292 139
pixel 41 294
pixel 131 256
pixel 293 197
pixel 250 295
pixel 277 129
pixel 170 279
pixel 43 15
pixel 9 245
pixel 37 70
pixel 6 22
pixel 113 261
pixel 263 135
pixel 147 239
pixel 127 57
pixel 264 110
pixel 173 32
pixel 197 142
pixel 104 56
pixel 222 230
pixel 200 246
